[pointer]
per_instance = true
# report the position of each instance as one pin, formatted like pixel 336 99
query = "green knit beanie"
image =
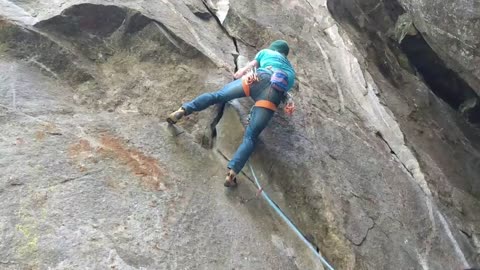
pixel 280 46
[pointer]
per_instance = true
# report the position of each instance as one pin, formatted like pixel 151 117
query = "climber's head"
pixel 280 46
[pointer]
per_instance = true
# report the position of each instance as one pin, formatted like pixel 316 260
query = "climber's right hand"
pixel 239 74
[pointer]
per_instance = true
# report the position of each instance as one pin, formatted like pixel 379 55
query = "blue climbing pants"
pixel 259 117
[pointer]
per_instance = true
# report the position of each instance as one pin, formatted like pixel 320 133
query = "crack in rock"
pixel 234 40
pixel 209 143
pixel 358 225
pixel 366 234
pixel 69 179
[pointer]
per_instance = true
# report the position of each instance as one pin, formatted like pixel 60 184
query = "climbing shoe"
pixel 231 179
pixel 174 117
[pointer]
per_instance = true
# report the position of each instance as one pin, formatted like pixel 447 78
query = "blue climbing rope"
pixel 288 221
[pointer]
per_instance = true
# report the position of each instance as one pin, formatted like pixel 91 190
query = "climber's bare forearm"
pixel 245 69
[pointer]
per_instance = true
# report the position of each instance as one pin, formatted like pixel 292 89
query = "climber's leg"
pixel 258 121
pixel 230 91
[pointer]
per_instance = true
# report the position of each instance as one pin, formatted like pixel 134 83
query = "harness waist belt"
pixel 266 104
pixel 246 82
pixel 246 87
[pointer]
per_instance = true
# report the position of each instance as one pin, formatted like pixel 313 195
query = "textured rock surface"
pixel 373 167
pixel 453 30
pixel 107 190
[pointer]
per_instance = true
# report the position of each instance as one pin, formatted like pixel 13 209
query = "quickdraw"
pixel 252 76
pixel 290 106
pixel 248 79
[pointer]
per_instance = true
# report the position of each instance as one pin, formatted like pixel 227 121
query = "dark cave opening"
pixel 444 82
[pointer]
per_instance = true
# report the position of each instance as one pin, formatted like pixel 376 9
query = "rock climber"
pixel 266 79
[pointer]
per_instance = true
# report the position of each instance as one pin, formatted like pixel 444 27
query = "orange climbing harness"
pixel 266 104
pixel 247 80
pixel 252 77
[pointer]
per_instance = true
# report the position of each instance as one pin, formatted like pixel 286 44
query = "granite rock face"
pixel 453 30
pixel 377 166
